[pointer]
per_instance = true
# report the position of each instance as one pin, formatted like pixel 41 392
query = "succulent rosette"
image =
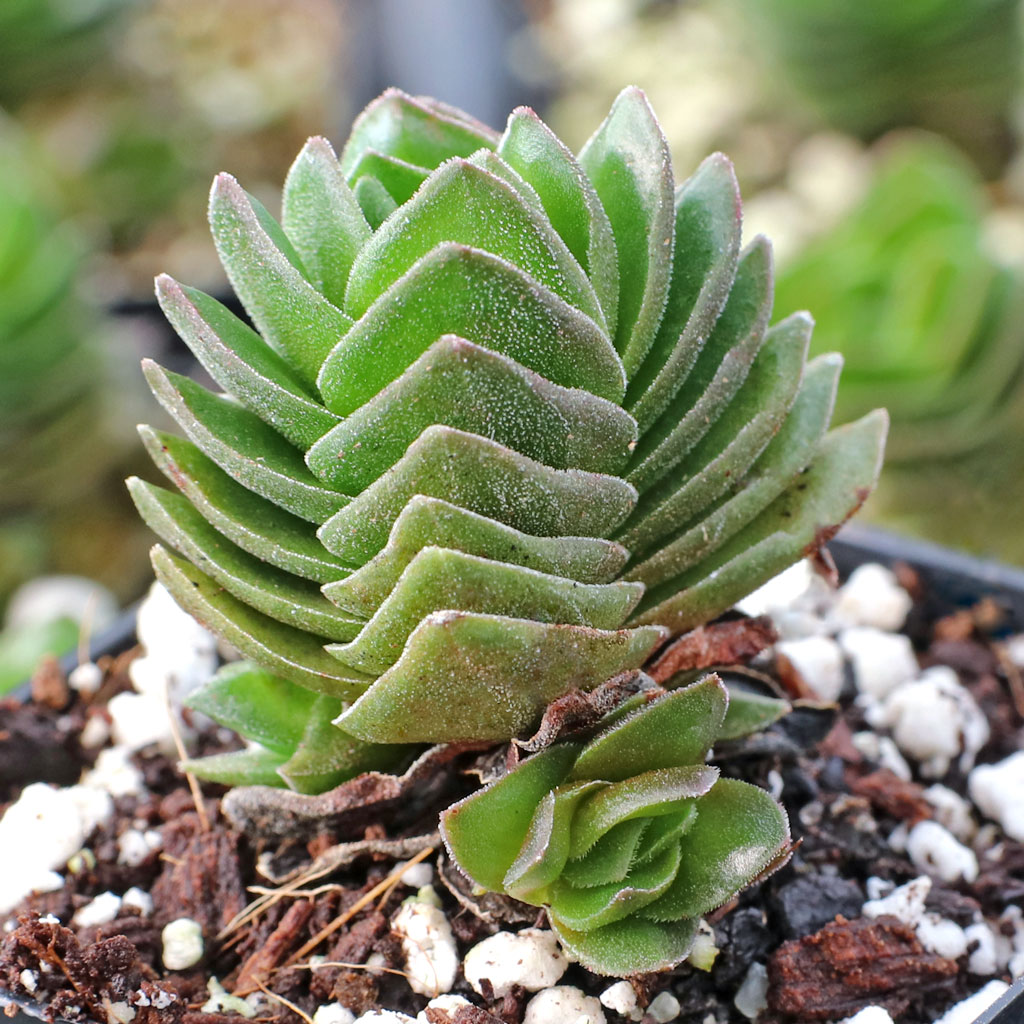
pixel 508 418
pixel 626 839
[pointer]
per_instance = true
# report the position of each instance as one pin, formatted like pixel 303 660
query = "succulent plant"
pixel 59 432
pixel 927 313
pixel 866 66
pixel 511 418
pixel 628 838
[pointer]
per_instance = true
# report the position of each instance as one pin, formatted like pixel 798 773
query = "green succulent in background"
pixel 927 320
pixel 866 66
pixel 908 288
pixel 627 838
pixel 59 427
pixel 45 45
pixel 511 418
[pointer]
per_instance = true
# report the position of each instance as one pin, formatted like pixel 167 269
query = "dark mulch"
pixel 824 961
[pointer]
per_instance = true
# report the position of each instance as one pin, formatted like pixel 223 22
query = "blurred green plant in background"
pixel 929 314
pixel 867 66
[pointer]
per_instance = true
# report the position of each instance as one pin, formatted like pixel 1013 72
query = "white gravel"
pixel 664 1007
pixel 182 944
pixel 333 1013
pixel 563 1004
pixel 905 902
pixel 969 1009
pixel 880 661
pixel 998 792
pixel 818 660
pixel 431 956
pixel 869 1015
pixel 103 909
pixel 531 958
pixel 873 597
pixel 621 998
pixel 752 996
pixel 933 849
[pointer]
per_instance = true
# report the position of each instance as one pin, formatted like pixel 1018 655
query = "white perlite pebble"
pixel 873 597
pixel 984 958
pixel 531 958
pixel 85 678
pixel 182 944
pixel 905 902
pixel 384 1017
pixel 818 660
pixel 119 1012
pixel 869 1015
pixel 115 773
pixel 941 936
pixel 934 719
pixel 40 831
pixel 431 956
pixel 29 979
pixel 952 811
pixel 969 1009
pixel 101 910
pixel 880 661
pixel 139 899
pixel 752 996
pixel 448 1003
pixel 333 1013
pixel 1014 648
pixel 563 1004
pixel 418 876
pixel 48 598
pixel 998 792
pixel 134 846
pixel 786 591
pixel 931 848
pixel 621 998
pixel 664 1007
pixel 883 752
pixel 179 656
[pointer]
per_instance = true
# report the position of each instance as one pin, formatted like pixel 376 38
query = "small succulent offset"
pixel 626 839
pixel 510 419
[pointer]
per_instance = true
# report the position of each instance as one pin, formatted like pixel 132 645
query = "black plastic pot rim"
pixel 960 579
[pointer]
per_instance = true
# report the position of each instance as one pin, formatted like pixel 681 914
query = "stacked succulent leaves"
pixel 628 838
pixel 511 417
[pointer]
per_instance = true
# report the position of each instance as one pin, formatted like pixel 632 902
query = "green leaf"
pixel 322 218
pixel 707 246
pixel 718 463
pixel 676 729
pixel 787 455
pixel 237 358
pixel 255 767
pixel 483 851
pixel 592 907
pixel 628 161
pixel 374 200
pixel 293 317
pixel 416 130
pixel 327 756
pixel 720 369
pixel 479 297
pixel 608 860
pixel 440 578
pixel 546 846
pixel 253 523
pixel 290 653
pixel 269 590
pixel 461 203
pixel 739 831
pixel 256 704
pixel 484 677
pixel 664 832
pixel 399 178
pixel 646 794
pixel 430 521
pixel 628 947
pixel 796 523
pixel 484 477
pixel 750 712
pixel 243 446
pixel 570 201
pixel 462 385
